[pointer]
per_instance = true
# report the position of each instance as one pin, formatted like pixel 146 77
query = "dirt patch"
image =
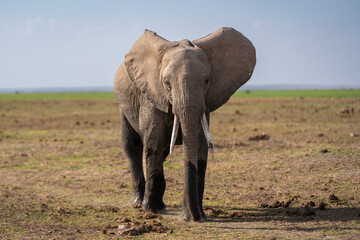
pixel 236 215
pixel 325 150
pixel 322 206
pixel 333 198
pixel 212 212
pixel 260 137
pixel 134 228
pixel 151 215
pixel 110 209
pixel 344 111
pixel 303 212
pixel 277 204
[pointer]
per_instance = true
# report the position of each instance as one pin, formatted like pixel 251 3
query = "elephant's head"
pixel 190 80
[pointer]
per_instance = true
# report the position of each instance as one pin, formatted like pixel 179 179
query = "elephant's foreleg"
pixel 134 149
pixel 202 162
pixel 155 180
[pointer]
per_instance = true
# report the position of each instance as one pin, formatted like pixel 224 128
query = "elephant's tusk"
pixel 174 133
pixel 206 130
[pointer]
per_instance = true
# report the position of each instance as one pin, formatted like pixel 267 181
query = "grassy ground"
pixel 323 93
pixel 64 175
pixel 55 96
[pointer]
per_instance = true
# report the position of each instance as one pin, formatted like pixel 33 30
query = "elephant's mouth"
pixel 205 127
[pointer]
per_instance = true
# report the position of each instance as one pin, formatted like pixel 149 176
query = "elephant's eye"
pixel 207 81
pixel 167 84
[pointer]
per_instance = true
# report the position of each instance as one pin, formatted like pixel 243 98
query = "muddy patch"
pixel 129 227
pixel 277 204
pixel 260 137
pixel 212 212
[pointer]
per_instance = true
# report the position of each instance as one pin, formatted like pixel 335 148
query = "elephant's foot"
pixel 153 206
pixel 186 216
pixel 137 200
pixel 136 203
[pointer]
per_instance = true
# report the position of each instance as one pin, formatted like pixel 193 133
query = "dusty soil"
pixel 283 169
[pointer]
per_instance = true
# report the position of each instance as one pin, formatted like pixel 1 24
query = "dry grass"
pixel 64 175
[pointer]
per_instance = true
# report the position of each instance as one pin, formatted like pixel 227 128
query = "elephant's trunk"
pixel 189 127
pixel 188 109
pixel 205 127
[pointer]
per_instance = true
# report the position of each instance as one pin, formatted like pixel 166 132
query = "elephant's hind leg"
pixel 134 150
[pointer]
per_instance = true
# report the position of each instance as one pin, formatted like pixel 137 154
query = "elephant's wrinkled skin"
pixel 160 81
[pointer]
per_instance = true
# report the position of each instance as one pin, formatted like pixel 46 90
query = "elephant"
pixel 166 91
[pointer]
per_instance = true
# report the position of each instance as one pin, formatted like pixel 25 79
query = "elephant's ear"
pixel 143 66
pixel 232 58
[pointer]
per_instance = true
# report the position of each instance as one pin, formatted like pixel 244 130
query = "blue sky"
pixel 82 43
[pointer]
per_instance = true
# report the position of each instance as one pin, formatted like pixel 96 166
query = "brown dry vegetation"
pixel 283 169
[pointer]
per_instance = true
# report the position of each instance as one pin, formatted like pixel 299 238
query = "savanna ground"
pixel 286 167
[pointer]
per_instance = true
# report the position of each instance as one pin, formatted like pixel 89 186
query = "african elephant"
pixel 166 87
